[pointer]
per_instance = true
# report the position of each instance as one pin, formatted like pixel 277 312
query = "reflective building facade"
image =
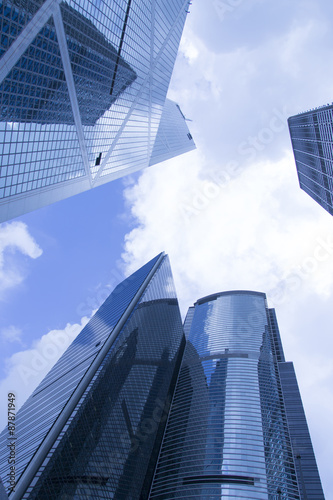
pixel 132 410
pixel 228 432
pixel 305 461
pixel 312 141
pixel 83 88
pixel 93 427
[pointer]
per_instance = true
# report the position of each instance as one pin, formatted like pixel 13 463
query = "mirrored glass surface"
pixel 227 435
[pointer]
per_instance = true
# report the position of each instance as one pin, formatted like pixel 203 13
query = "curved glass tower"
pixel 227 434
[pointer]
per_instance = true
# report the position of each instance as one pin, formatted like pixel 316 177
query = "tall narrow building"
pixel 93 427
pixel 83 87
pixel 312 141
pixel 236 425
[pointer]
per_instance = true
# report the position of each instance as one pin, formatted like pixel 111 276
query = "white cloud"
pixel 244 224
pixel 231 90
pixel 11 334
pixel 231 215
pixel 24 370
pixel 254 230
pixel 14 240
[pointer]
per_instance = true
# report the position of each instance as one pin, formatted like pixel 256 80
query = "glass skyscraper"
pixel 83 87
pixel 93 427
pixel 141 408
pixel 312 141
pixel 236 427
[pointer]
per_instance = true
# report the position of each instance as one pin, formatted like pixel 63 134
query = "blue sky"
pixel 230 214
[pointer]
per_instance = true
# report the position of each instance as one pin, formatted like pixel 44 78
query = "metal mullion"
pixel 61 36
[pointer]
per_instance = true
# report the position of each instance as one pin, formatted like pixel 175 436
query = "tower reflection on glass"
pixel 36 91
pixel 133 410
pixel 236 425
pixel 83 89
pixel 93 427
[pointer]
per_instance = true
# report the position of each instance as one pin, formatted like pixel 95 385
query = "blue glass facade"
pixel 35 90
pixel 93 427
pixel 3 494
pixel 173 136
pixel 312 141
pixel 227 434
pixel 305 461
pixel 309 483
pixel 83 86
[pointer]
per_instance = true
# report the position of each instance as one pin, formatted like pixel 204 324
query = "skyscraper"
pixel 83 88
pixel 236 427
pixel 312 141
pixel 132 410
pixel 93 427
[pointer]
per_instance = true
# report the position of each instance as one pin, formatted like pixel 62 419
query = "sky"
pixel 230 214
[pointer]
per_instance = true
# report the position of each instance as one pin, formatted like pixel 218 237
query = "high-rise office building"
pixel 236 427
pixel 309 483
pixel 93 427
pixel 312 141
pixel 83 89
pixel 133 411
pixel 3 494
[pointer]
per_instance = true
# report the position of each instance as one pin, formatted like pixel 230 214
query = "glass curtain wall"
pixel 227 434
